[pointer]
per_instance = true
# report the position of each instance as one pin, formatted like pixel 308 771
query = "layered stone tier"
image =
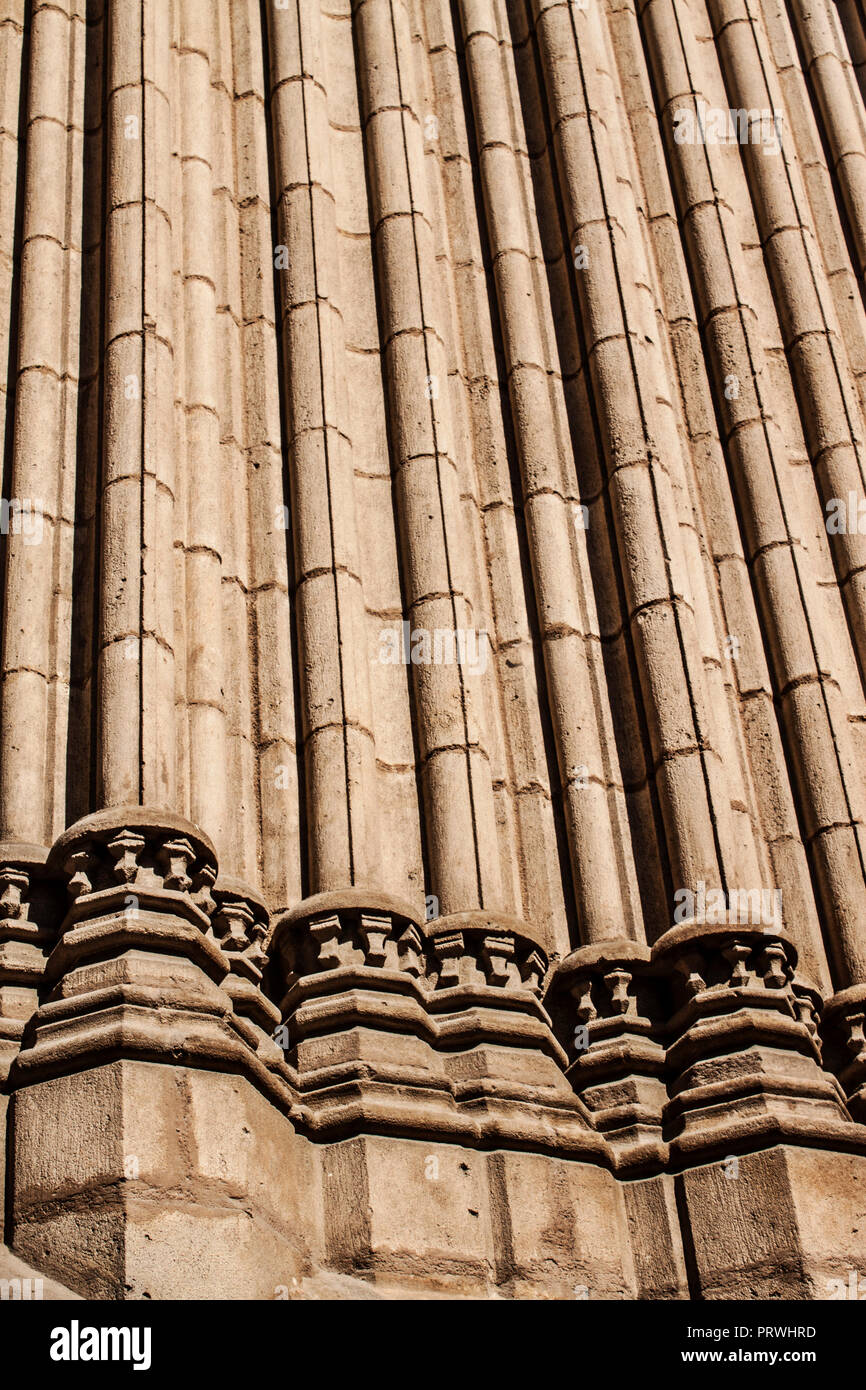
pixel 433 646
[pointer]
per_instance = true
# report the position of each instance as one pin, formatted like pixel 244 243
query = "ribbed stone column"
pixel 339 750
pixel 37 510
pixel 794 621
pixel 201 474
pixel 136 699
pixel 458 800
pixel 588 762
pixel 688 768
pixel 830 410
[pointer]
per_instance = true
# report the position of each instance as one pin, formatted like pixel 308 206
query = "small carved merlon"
pixel 125 849
pixel 240 927
pixel 29 913
pixel 130 848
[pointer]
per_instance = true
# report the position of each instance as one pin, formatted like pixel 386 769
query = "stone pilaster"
pixel 174 1098
pixel 423 1028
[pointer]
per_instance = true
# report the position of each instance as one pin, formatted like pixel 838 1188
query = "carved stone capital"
pixel 351 930
pixel 28 916
pixel 240 926
pixel 608 1004
pixel 477 951
pixel 139 970
pixel 743 1054
pixel 134 858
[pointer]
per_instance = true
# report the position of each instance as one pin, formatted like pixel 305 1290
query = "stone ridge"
pixel 433 647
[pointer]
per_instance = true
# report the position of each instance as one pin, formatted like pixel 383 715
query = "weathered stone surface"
pixel 19 1281
pixel 433 648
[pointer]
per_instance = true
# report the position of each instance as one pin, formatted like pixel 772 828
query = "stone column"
pixel 150 1046
pixel 602 871
pixel 458 797
pixel 136 696
pixel 334 660
pixel 38 513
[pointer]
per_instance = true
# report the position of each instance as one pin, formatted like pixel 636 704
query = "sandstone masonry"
pixel 525 342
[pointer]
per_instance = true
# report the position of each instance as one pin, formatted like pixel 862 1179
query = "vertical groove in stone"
pixel 38 569
pixel 851 17
pixel 205 496
pixel 339 750
pixel 705 181
pixel 567 622
pixel 455 769
pixel 276 799
pixel 79 774
pixel 137 753
pixel 659 603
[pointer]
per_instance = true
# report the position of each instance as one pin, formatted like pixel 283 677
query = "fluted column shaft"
pixel 741 648
pixel 205 513
pixel 38 513
pixel 588 762
pixel 660 611
pixel 828 67
pixel 458 799
pixel 829 407
pixel 812 716
pixel 339 750
pixel 136 663
pixel 11 59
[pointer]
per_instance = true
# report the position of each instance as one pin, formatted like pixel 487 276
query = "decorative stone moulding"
pixel 743 1053
pixel 608 1008
pixel 705 1044
pixel 411 1027
pixel 240 926
pixel 843 1027
pixel 29 912
pixel 139 968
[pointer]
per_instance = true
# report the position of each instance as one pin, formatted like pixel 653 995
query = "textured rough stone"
pixel 433 648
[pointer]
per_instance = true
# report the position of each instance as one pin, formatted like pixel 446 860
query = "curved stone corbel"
pixel 30 910
pixel 137 970
pixel 608 1007
pixel 743 1055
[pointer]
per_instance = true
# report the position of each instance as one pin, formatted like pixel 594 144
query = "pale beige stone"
pixel 331 967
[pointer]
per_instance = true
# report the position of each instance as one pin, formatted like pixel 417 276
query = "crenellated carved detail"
pixel 348 931
pixel 154 955
pixel 240 925
pixel 29 912
pixel 463 992
pixel 843 1029
pixel 671 1046
pixel 479 951
pixel 131 851
pixel 470 951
